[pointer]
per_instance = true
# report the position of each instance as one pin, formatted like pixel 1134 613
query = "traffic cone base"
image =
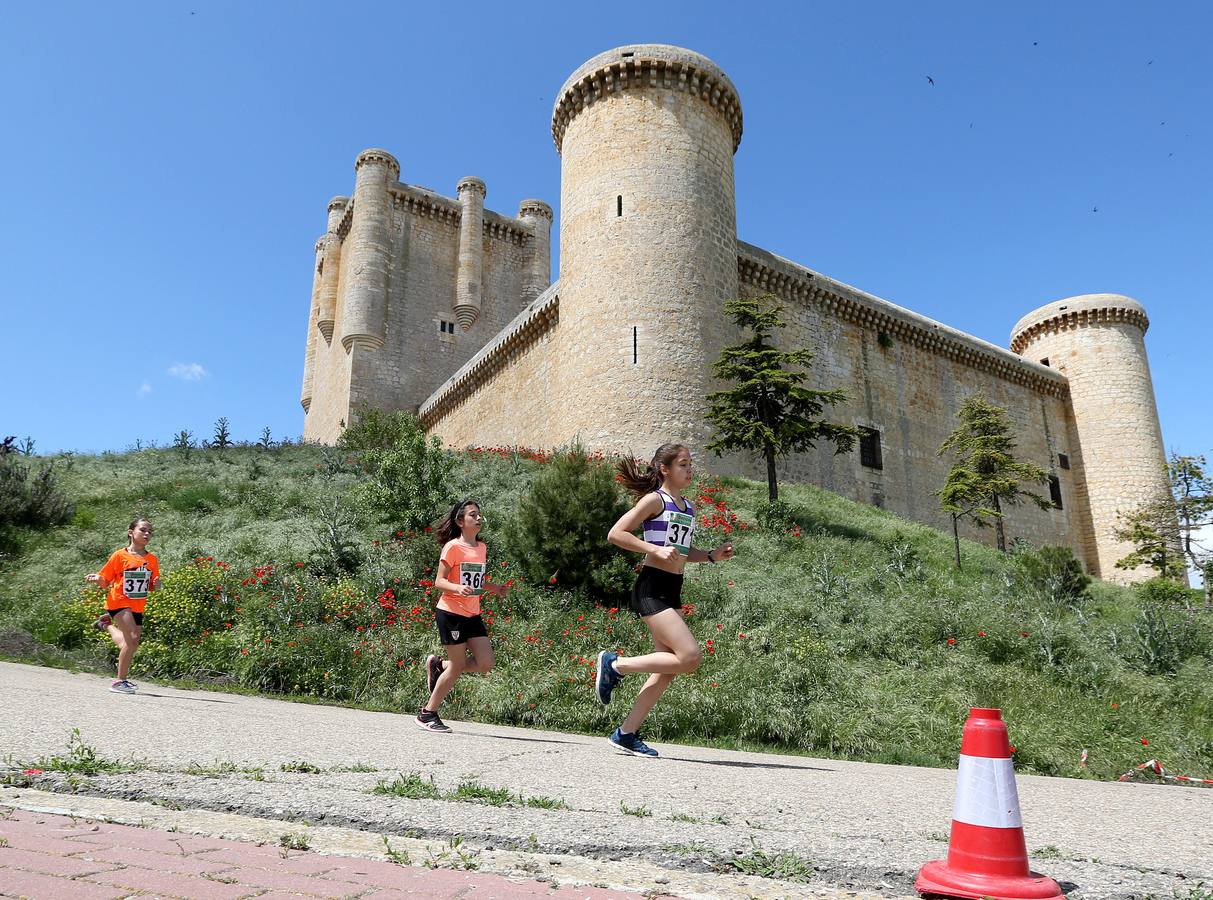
pixel 936 878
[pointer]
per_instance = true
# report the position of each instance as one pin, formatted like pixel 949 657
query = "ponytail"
pixel 448 527
pixel 645 482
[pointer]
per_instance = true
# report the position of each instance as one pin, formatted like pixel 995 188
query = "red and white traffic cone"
pixel 987 856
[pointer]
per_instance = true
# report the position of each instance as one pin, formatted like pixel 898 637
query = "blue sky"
pixel 167 165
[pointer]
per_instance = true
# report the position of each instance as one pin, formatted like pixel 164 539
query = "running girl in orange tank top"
pixel 462 578
pixel 668 522
pixel 131 573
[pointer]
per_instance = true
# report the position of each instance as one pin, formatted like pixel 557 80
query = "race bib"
pixel 135 583
pixel 678 532
pixel 471 574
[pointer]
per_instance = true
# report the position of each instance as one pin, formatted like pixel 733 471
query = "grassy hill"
pixel 847 633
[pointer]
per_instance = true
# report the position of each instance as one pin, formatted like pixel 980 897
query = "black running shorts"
pixel 453 629
pixel 656 590
pixel 138 616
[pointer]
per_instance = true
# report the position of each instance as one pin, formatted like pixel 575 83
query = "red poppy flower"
pixel 1144 742
pixel 951 641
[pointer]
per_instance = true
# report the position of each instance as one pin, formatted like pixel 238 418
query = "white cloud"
pixel 188 371
pixel 144 390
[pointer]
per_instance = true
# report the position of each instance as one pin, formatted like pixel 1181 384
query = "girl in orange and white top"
pixel 131 573
pixel 462 577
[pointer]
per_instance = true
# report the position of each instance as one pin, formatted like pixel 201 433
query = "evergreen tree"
pixel 768 412
pixel 562 524
pixel 1170 531
pixel 223 436
pixel 986 475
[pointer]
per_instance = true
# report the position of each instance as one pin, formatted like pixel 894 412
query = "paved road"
pixel 842 825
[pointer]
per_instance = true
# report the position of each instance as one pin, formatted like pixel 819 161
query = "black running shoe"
pixel 430 722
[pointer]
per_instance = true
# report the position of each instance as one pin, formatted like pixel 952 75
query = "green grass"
pixel 414 787
pixel 830 639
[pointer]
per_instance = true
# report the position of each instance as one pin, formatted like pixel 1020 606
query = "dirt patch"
pixel 18 643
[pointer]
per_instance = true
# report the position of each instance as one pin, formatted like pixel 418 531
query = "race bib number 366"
pixel 135 583
pixel 678 532
pixel 471 575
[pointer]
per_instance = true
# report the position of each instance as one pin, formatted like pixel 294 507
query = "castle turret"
pixel 369 246
pixel 537 216
pixel 330 268
pixel 309 360
pixel 648 241
pixel 1098 342
pixel 471 193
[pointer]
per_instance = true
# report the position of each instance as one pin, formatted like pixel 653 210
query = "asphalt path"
pixel 842 825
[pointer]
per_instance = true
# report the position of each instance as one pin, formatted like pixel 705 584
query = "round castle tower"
pixel 1098 342
pixel 648 241
pixel 363 320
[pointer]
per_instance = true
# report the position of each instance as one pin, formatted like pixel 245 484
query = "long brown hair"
pixel 449 528
pixel 644 482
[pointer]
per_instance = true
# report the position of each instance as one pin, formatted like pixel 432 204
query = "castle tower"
pixel 330 268
pixel 1098 342
pixel 369 246
pixel 648 242
pixel 537 215
pixel 309 360
pixel 468 274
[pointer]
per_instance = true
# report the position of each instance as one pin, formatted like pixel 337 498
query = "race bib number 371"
pixel 135 583
pixel 471 575
pixel 678 532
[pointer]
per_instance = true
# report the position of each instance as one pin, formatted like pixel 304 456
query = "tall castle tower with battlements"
pixel 441 307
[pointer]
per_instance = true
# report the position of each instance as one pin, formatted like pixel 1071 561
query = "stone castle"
pixel 442 307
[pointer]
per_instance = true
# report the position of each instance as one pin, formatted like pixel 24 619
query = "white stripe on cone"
pixel 985 793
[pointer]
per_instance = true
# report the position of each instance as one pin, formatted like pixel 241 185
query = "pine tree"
pixel 562 522
pixel 986 475
pixel 768 412
pixel 1169 531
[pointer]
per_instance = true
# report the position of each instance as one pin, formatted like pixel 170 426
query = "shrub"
pixel 563 521
pixel 30 499
pixel 776 515
pixel 1052 573
pixel 335 548
pixel 178 612
pixel 410 477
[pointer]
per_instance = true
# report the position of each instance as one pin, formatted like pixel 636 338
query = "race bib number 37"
pixel 678 532
pixel 472 575
pixel 135 583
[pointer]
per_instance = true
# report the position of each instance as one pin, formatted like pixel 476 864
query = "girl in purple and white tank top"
pixel 667 520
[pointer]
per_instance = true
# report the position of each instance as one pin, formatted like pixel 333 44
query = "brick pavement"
pixel 48 857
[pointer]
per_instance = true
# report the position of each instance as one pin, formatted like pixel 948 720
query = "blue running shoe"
pixel 631 743
pixel 608 679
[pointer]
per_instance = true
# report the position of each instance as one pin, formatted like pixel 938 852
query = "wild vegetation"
pixel 838 630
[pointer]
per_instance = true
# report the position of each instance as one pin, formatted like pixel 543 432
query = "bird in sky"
pixel 1094 209
pixel 931 80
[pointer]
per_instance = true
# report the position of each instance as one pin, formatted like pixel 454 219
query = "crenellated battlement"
pixel 423 202
pixel 640 66
pixel 374 156
pixel 1077 312
pixel 771 273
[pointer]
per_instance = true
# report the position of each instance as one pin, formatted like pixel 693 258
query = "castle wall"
pixel 906 377
pixel 508 393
